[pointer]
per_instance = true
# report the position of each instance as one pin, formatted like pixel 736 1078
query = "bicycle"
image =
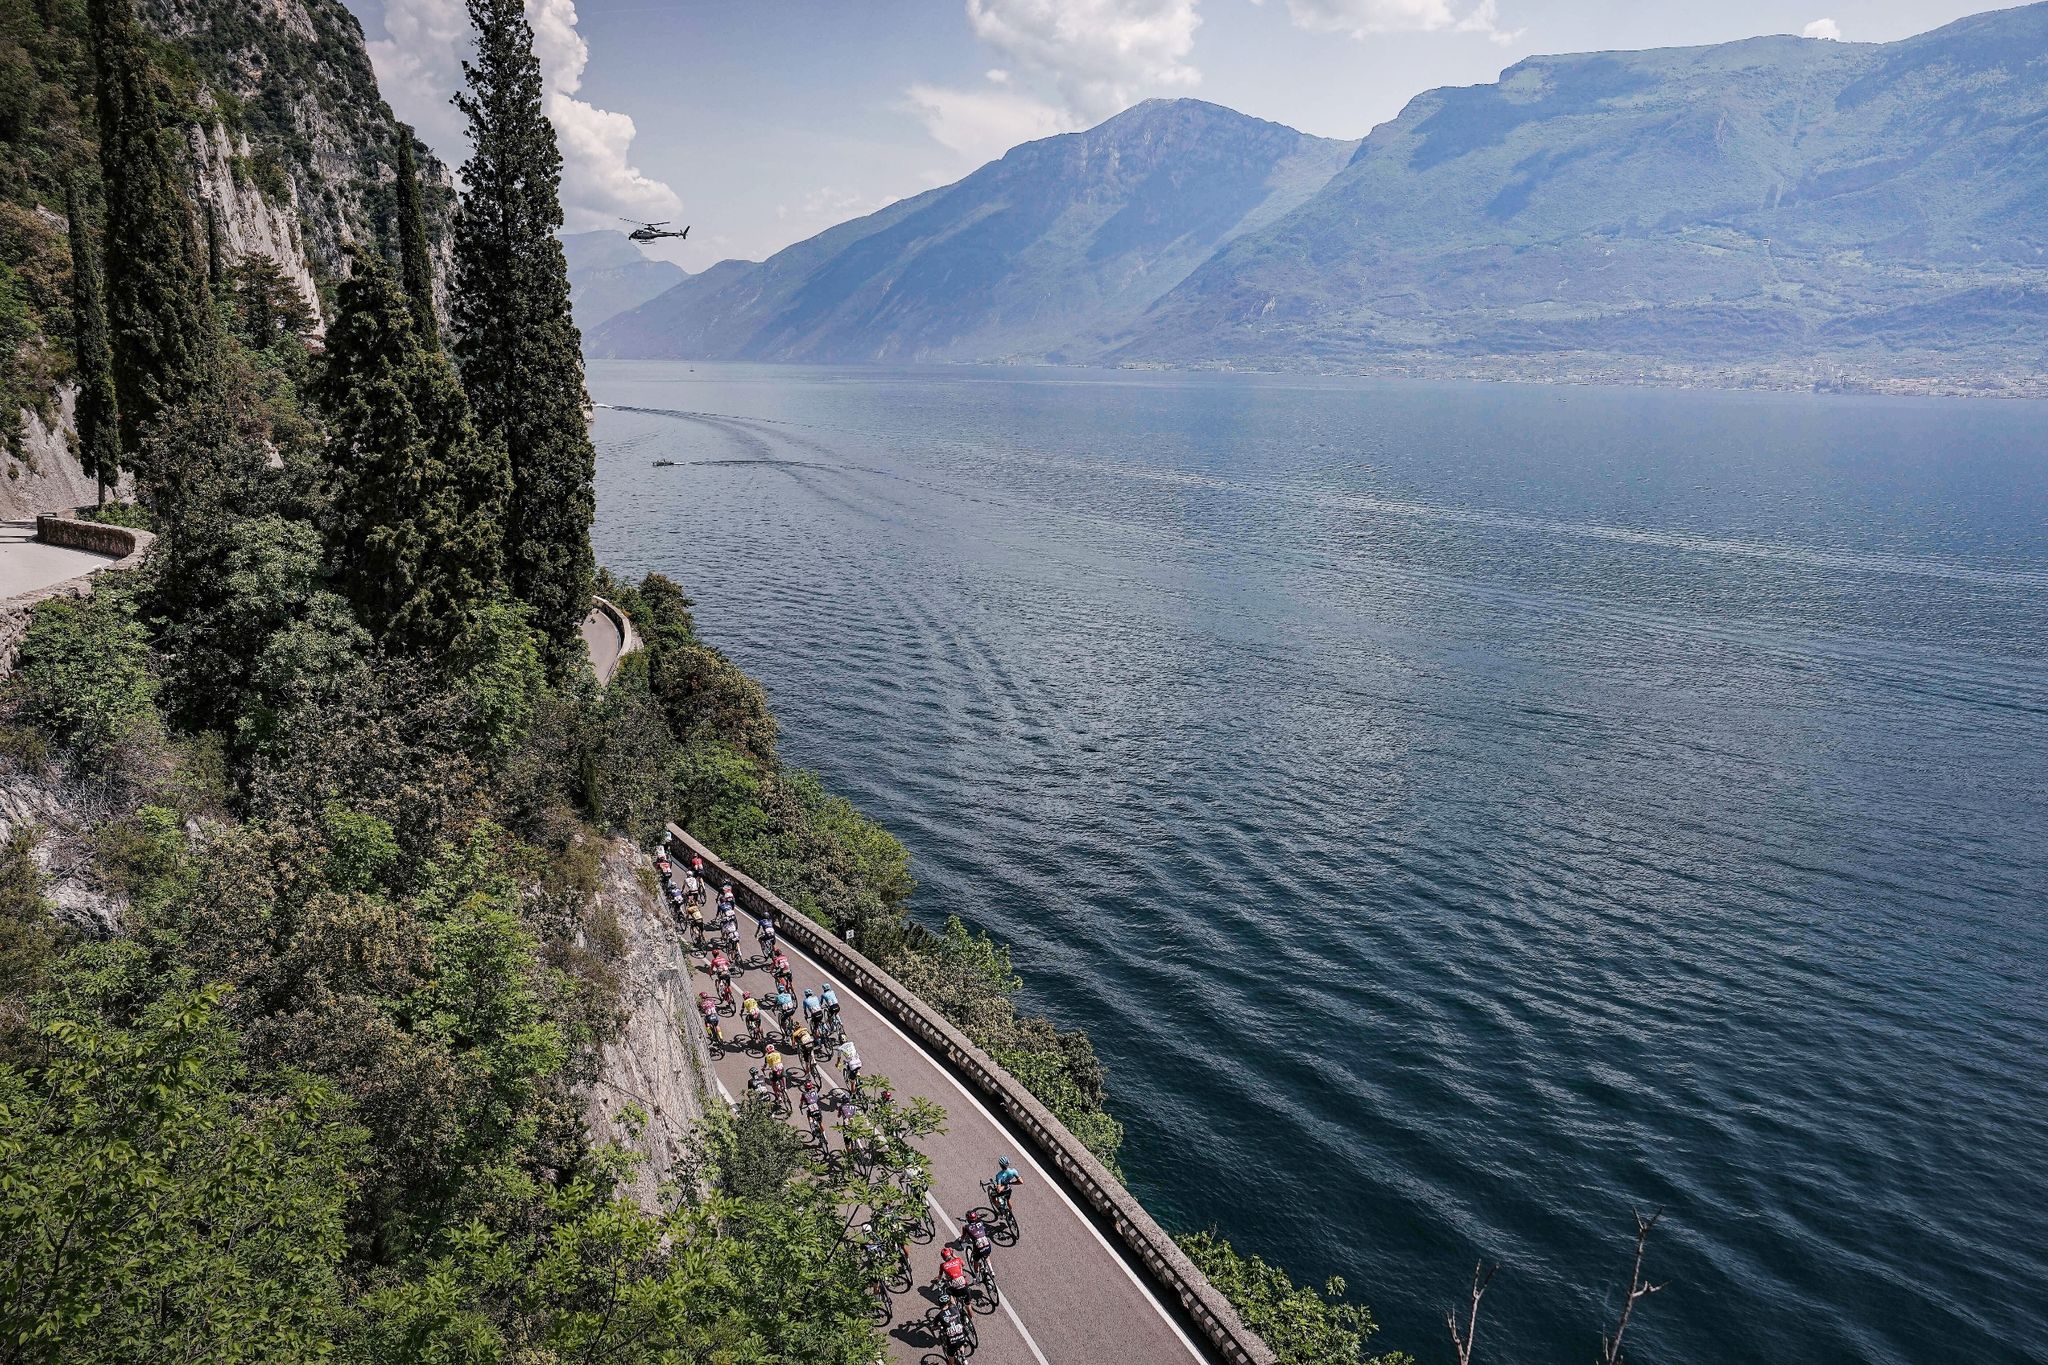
pixel 1001 1215
pixel 954 1333
pixel 987 1295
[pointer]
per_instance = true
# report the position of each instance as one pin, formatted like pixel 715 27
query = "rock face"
pixel 249 222
pixel 306 142
pixel 1046 254
pixel 659 1063
pixel 47 477
pixel 62 814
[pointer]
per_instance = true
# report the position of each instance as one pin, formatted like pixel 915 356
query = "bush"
pixel 84 674
pixel 1302 1326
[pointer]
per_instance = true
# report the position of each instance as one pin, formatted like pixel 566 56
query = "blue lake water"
pixel 1459 813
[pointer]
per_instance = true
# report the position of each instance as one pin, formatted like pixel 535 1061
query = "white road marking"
pixel 1015 1321
pixel 1024 1153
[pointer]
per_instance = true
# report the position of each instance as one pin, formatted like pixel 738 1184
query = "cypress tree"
pixel 99 438
pixel 415 255
pixel 161 322
pixel 419 492
pixel 520 353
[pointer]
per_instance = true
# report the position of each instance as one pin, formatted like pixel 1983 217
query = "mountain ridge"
pixel 1059 242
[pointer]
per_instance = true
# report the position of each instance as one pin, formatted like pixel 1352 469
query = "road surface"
pixel 1068 1298
pixel 606 642
pixel 27 564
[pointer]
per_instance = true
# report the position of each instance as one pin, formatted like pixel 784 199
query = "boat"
pixel 664 464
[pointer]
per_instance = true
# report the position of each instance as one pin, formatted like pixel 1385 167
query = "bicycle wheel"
pixel 884 1308
pixel 900 1281
pixel 986 1297
pixel 781 1106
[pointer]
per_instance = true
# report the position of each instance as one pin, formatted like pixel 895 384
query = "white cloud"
pixel 1823 28
pixel 1098 55
pixel 418 67
pixel 1364 18
pixel 983 124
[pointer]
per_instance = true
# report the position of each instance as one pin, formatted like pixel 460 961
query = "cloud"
pixel 1363 18
pixel 983 124
pixel 1098 55
pixel 418 67
pixel 1823 28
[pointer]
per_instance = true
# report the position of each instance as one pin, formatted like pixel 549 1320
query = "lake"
pixel 1458 813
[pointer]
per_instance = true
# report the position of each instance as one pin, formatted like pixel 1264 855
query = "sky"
pixel 762 122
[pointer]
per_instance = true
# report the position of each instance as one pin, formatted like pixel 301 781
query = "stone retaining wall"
pixel 1171 1273
pixel 98 537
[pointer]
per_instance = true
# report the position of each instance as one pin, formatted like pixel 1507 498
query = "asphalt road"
pixel 602 637
pixel 1068 1298
pixel 27 564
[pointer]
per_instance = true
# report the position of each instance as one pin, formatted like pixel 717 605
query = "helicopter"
pixel 649 232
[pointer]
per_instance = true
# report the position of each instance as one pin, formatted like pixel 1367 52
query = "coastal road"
pixel 1068 1297
pixel 606 642
pixel 27 564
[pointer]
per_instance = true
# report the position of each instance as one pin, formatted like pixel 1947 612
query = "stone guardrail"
pixel 629 638
pixel 126 544
pixel 1172 1274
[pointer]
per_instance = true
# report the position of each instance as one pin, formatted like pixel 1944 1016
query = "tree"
pixel 416 259
pixel 419 494
pixel 519 350
pixel 99 437
pixel 266 305
pixel 84 674
pixel 150 1211
pixel 163 330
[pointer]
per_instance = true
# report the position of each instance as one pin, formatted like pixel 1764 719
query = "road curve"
pixel 609 637
pixel 1068 1297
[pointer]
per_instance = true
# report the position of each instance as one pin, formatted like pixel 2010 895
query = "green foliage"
pixel 130 514
pixel 149 1211
pixel 415 253
pixel 519 350
pixel 1302 1326
pixel 265 307
pixel 99 437
pixel 499 679
pixel 418 495
pixel 84 673
pixel 164 334
pixel 28 933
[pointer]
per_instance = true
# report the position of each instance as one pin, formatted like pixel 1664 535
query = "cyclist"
pixel 728 904
pixel 778 1074
pixel 952 1276
pixel 956 1332
pixel 732 937
pixel 764 933
pixel 785 1006
pixel 779 965
pixel 814 1110
pixel 849 1063
pixel 814 1012
pixel 750 1010
pixel 976 1242
pixel 1004 1185
pixel 709 1009
pixel 756 1086
pixel 828 1000
pixel 806 1047
pixel 662 864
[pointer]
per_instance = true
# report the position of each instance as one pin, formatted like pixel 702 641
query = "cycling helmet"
pixel 1003 1162
pixel 752 1072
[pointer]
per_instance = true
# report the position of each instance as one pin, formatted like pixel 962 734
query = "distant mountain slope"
pixel 1046 253
pixel 608 274
pixel 1783 208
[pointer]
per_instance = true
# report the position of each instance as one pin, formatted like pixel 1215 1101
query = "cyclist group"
pixel 810 1026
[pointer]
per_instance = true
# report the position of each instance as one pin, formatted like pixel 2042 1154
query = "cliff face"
pixel 302 162
pixel 292 157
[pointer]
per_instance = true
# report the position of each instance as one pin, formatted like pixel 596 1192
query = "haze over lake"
pixel 1457 813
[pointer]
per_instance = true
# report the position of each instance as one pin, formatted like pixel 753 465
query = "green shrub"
pixel 1302 1326
pixel 84 674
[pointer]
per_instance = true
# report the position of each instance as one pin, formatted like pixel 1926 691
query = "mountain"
pixel 1050 252
pixel 608 274
pixel 1776 210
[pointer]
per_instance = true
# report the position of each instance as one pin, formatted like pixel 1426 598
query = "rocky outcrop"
pixel 62 814
pixel 251 223
pixel 47 477
pixel 658 1064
